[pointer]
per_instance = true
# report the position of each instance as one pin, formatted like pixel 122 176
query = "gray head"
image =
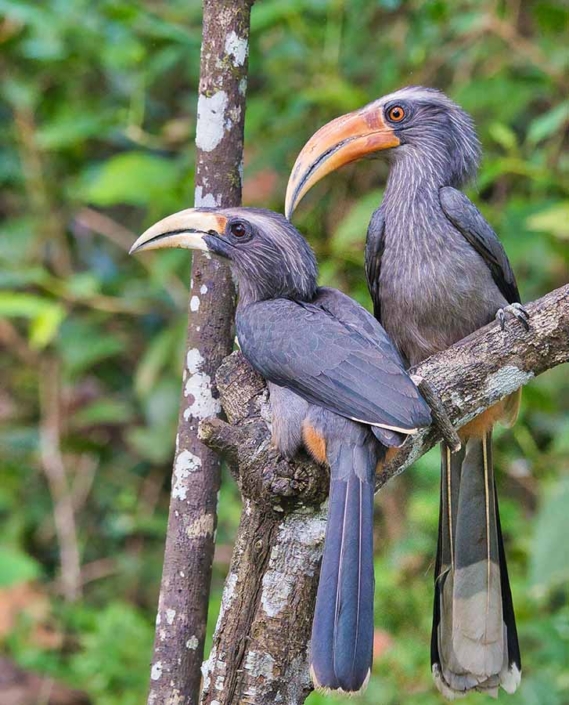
pixel 415 126
pixel 268 256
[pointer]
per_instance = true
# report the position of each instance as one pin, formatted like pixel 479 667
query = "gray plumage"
pixel 338 386
pixel 437 272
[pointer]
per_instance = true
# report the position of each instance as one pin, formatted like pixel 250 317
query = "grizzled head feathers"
pixel 268 256
pixel 433 128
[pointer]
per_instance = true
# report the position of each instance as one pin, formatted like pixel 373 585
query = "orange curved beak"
pixel 346 139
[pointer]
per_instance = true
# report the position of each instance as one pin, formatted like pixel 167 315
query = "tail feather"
pixel 474 641
pixel 342 632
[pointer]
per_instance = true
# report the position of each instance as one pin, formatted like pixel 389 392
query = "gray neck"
pixel 417 174
pixel 411 203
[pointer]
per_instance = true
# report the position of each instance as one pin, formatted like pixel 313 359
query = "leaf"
pixel 16 567
pixel 45 315
pixel 68 129
pixel 82 344
pixel 351 232
pixel 550 555
pixel 135 178
pixel 547 124
pixel 103 411
pixel 504 136
pixel 554 219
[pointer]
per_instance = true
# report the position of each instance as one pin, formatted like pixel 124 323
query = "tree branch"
pixel 259 652
pixel 184 592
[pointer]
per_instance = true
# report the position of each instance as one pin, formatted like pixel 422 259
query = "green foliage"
pixel 98 111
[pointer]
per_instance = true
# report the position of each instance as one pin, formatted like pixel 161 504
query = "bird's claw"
pixel 517 311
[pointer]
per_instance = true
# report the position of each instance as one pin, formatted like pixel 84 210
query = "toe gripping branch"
pixel 515 310
pixel 440 417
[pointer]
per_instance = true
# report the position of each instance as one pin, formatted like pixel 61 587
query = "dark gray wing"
pixel 375 244
pixel 327 361
pixel 466 218
pixel 351 314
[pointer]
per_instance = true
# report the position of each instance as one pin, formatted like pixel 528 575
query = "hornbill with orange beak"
pixel 436 272
pixel 337 386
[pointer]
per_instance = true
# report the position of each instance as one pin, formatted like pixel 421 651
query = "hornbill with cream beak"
pixel 436 272
pixel 337 386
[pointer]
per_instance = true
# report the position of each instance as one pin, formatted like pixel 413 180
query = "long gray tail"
pixel 474 644
pixel 341 647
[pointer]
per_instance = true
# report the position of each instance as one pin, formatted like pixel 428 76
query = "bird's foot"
pixel 517 311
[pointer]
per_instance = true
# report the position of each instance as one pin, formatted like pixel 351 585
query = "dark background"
pixel 98 109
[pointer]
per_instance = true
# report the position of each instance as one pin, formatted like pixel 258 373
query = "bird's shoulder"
pixel 470 222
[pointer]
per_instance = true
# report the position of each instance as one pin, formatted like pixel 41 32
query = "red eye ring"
pixel 396 113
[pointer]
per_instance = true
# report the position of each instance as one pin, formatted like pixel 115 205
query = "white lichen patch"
pixel 226 598
pixel 303 536
pixel 198 386
pixel 207 667
pixel 259 664
pixel 243 86
pixel 170 616
pixel 236 47
pixel 201 527
pixel 194 361
pixel 156 672
pixel 203 289
pixel 211 124
pixel 194 304
pixel 276 590
pixel 505 381
pixel 219 683
pixel 192 643
pixel 204 200
pixel 186 463
pixel 176 697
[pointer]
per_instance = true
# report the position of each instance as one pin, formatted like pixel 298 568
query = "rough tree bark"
pixel 184 592
pixel 259 652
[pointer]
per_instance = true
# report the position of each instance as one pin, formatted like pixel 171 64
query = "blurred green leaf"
pixel 135 178
pixel 547 124
pixel 550 555
pixel 554 219
pixel 16 567
pixel 45 316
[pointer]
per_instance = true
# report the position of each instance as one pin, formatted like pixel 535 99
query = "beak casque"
pixel 344 140
pixel 185 229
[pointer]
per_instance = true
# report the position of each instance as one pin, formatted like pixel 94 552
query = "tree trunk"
pixel 184 593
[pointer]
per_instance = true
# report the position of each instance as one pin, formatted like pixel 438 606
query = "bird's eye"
pixel 396 113
pixel 238 229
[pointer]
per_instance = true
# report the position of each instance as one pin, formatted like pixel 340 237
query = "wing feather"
pixel 466 218
pixel 330 353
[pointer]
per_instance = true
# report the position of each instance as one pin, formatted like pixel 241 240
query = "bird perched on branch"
pixel 337 386
pixel 436 272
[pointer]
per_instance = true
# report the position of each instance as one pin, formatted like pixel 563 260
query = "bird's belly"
pixel 429 308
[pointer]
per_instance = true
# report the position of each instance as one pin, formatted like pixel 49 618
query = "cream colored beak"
pixel 185 229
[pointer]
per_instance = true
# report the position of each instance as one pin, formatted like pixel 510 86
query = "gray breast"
pixel 435 289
